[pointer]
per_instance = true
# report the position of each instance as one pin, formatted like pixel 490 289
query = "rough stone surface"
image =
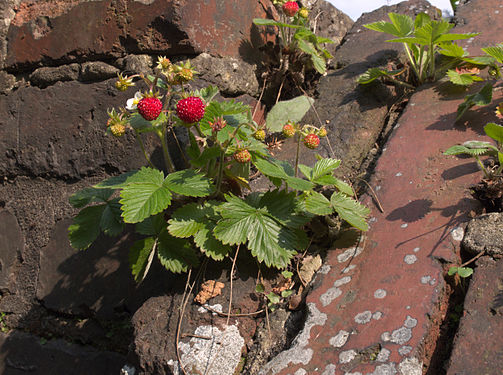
pixel 60 131
pixel 11 246
pixel 485 233
pixel 329 22
pixel 57 31
pixel 133 64
pixel 97 71
pixel 232 76
pixel 22 353
pixel 477 346
pixel 7 82
pixel 7 14
pixel 45 76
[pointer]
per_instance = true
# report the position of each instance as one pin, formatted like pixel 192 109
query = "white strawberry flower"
pixel 133 102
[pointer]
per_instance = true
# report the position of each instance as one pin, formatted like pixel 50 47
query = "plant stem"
pixel 482 166
pixel 412 61
pixel 138 138
pixel 432 60
pixel 400 82
pixel 297 156
pixel 167 158
pixel 220 172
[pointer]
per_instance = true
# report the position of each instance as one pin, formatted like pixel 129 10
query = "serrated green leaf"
pixel 288 110
pixel 208 93
pixel 117 182
pixel 86 227
pixel 189 183
pixel 152 226
pixel 111 222
pixel 350 210
pixel 283 171
pixel 371 75
pixel 402 25
pixel 325 166
pixel 176 254
pixel 464 79
pixel 186 221
pixel 287 274
pixel 84 197
pixel 286 293
pixel 479 60
pixel 144 197
pixel 452 50
pixel 421 20
pixel 496 52
pixel 140 257
pixel 318 204
pixel 457 150
pixel 319 63
pixel 483 97
pixel 139 124
pixel 209 245
pixel 254 222
pixel 344 187
pixel 306 171
pixel 268 22
pixel 494 131
pixel 209 153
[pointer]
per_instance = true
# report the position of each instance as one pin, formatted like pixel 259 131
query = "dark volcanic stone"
pixel 23 353
pixel 477 346
pixel 43 77
pixel 485 233
pixel 60 32
pixel 11 245
pixel 60 131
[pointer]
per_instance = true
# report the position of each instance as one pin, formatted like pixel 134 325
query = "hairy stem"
pixel 167 158
pixel 297 156
pixel 412 61
pixel 482 166
pixel 142 146
pixel 220 172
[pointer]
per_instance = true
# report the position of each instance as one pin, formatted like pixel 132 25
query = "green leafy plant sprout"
pixel 297 42
pixel 183 216
pixel 470 71
pixel 479 148
pixel 422 39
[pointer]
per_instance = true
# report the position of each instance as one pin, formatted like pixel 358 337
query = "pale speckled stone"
pixel 410 322
pixel 385 369
pixel 363 317
pixel 404 350
pixel 410 366
pixel 377 315
pixel 383 355
pixel 410 259
pixel 343 281
pixel 380 293
pixel 331 294
pixel 347 356
pixel 349 253
pixel 401 335
pixel 348 268
pixel 300 371
pixel 340 339
pixel 425 279
pixel 329 370
pixel 386 336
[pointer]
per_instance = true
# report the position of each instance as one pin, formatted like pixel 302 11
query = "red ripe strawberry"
pixel 190 109
pixel 242 156
pixel 288 130
pixel 149 108
pixel 290 8
pixel 312 141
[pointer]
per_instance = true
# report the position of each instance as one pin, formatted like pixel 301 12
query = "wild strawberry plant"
pixel 212 215
pixel 423 39
pixel 296 40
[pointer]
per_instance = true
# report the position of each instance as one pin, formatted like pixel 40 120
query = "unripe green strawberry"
pixel 117 130
pixel 290 8
pixel 322 132
pixel 311 141
pixel 289 130
pixel 304 12
pixel 259 135
pixel 190 109
pixel 149 107
pixel 242 156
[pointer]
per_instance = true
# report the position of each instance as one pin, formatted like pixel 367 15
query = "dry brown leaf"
pixel 309 266
pixel 209 289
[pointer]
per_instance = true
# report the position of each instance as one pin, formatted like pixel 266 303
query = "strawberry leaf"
pixel 317 204
pixel 350 210
pixel 288 110
pixel 141 255
pixel 260 222
pixel 144 197
pixel 188 182
pixel 84 197
pixel 494 131
pixel 176 254
pixel 86 227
